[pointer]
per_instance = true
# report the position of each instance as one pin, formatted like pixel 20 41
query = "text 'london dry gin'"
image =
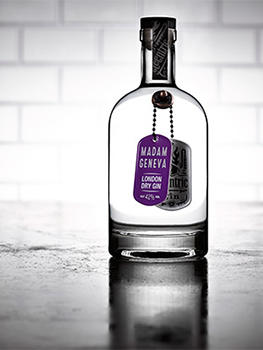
pixel 158 168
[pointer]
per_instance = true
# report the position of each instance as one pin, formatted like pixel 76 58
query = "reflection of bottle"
pixel 158 306
pixel 158 159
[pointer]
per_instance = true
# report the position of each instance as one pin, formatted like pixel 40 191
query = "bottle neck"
pixel 158 57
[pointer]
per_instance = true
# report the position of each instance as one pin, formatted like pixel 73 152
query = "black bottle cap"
pixel 148 22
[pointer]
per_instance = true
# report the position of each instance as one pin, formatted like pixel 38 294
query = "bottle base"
pixel 158 243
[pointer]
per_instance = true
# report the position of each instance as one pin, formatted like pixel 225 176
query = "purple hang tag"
pixel 152 170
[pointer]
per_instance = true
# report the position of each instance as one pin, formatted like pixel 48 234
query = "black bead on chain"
pixel 171 122
pixel 154 123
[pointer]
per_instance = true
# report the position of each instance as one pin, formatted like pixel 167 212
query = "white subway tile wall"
pixel 8 124
pixel 28 84
pixel 100 11
pixel 8 44
pixel 26 11
pixel 64 64
pixel 242 12
pixel 216 46
pixel 59 45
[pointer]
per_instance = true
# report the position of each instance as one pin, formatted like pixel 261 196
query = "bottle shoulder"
pixel 145 93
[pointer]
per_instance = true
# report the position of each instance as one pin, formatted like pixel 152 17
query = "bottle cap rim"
pixel 148 22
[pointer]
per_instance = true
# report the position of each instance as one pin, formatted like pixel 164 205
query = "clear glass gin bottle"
pixel 158 163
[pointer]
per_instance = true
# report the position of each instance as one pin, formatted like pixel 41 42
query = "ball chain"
pixel 171 122
pixel 154 122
